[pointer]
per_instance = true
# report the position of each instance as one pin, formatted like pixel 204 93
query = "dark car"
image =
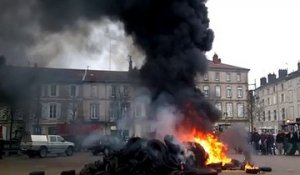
pixel 106 145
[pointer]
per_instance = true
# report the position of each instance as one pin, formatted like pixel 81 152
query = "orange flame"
pixel 249 166
pixel 215 149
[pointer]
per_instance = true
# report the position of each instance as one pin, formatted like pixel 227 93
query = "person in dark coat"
pixel 263 145
pixel 297 140
pixel 255 138
pixel 270 144
pixel 290 143
pixel 280 141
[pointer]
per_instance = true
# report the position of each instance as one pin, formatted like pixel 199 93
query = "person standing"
pixel 290 143
pixel 297 140
pixel 255 139
pixel 270 144
pixel 280 141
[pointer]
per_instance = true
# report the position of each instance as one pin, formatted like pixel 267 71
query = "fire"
pixel 248 166
pixel 215 149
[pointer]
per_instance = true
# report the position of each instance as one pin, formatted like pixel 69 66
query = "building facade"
pixel 277 100
pixel 226 86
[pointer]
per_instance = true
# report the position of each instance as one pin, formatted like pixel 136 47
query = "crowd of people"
pixel 283 143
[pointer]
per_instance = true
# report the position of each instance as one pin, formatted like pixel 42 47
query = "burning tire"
pixel 265 169
pixel 252 171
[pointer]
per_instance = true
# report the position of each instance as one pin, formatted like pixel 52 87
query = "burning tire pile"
pixel 154 157
pixel 149 157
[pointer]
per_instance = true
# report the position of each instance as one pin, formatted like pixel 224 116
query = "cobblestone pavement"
pixel 22 165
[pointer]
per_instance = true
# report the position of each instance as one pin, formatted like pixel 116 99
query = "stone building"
pixel 278 100
pixel 67 101
pixel 227 87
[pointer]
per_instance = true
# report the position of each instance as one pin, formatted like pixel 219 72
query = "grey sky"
pixel 262 35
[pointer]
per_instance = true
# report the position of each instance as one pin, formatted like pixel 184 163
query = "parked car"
pixel 106 145
pixel 41 145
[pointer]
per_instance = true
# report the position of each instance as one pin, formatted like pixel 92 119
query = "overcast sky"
pixel 262 35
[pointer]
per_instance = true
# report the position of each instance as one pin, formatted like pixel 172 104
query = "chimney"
pixel 298 65
pixel 35 65
pixel 271 78
pixel 283 72
pixel 216 59
pixel 263 81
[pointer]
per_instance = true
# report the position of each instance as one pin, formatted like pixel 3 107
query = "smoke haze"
pixel 172 34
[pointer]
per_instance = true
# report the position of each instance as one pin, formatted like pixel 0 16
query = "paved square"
pixel 22 165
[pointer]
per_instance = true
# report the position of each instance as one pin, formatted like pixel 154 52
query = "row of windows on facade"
pixel 267 116
pixel 116 110
pixel 218 91
pixel 271 90
pixel 270 100
pixel 228 77
pixel 229 112
pixel 73 90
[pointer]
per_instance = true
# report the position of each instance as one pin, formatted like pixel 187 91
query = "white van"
pixel 41 145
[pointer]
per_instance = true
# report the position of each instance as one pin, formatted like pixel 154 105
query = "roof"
pixel 42 74
pixel 218 65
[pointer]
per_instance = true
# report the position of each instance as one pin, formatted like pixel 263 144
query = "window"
pixel 205 77
pixel 72 111
pixel 228 92
pixel 53 111
pixel 282 98
pixel 269 102
pixel 275 115
pixel 52 138
pixel 52 131
pixel 229 110
pixel 73 91
pixel 282 87
pixel 283 113
pixel 218 106
pixel 238 77
pixel 269 115
pixel 228 78
pixel 240 110
pixel 113 91
pixel 94 91
pixel 126 90
pixel 94 111
pixel 218 91
pixel 239 92
pixel 264 116
pixel 217 78
pixel 60 139
pixel 37 130
pixel 274 89
pixel 206 90
pixel 53 90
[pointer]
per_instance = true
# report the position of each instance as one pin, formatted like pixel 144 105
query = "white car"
pixel 41 145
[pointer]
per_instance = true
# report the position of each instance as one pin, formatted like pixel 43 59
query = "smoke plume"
pixel 173 34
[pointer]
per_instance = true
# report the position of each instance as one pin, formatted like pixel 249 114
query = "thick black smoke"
pixel 173 34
